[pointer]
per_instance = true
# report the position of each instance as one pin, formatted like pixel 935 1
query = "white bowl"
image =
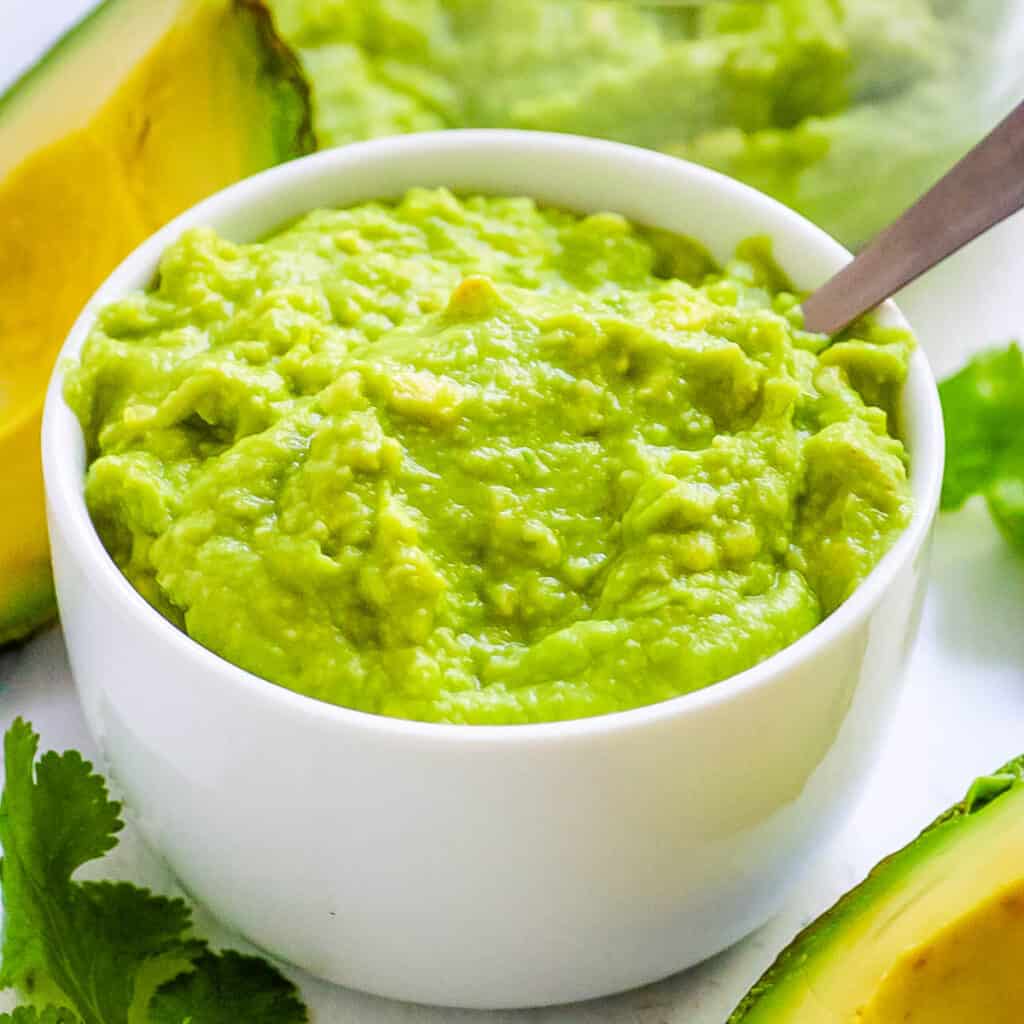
pixel 488 866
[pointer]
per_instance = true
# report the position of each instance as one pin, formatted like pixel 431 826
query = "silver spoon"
pixel 985 187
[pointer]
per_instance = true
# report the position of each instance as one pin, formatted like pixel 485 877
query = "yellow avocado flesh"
pixel 973 970
pixel 145 108
pixel 935 935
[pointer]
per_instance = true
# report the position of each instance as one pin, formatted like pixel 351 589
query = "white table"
pixel 962 712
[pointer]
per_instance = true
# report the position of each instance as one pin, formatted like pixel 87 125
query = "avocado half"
pixel 934 935
pixel 142 109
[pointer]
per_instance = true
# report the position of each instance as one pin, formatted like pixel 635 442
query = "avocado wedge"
pixel 934 935
pixel 145 107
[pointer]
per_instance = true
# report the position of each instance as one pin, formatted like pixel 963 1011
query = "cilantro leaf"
pixel 116 944
pixel 101 952
pixel 225 989
pixel 983 409
pixel 84 945
pixel 81 823
pixel 78 821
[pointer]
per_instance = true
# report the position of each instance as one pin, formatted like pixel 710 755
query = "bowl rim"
pixel 62 436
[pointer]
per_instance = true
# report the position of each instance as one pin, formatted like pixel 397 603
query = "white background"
pixel 962 713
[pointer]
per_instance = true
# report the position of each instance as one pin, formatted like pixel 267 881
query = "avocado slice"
pixel 143 108
pixel 934 935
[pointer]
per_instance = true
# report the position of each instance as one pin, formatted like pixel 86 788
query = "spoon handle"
pixel 985 187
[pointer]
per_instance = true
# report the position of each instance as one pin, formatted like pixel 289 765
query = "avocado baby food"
pixel 475 460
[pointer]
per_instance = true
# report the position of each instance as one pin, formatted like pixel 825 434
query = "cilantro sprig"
pixel 104 952
pixel 983 410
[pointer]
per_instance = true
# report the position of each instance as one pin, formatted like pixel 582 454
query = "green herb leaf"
pixel 983 408
pixel 82 945
pixel 99 951
pixel 226 989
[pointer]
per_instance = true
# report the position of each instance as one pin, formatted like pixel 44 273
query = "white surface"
pixel 961 714
pixel 489 867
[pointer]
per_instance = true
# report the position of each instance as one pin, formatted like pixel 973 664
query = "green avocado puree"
pixel 481 461
pixel 847 110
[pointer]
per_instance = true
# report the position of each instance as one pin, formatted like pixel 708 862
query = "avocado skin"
pixel 983 792
pixel 293 130
pixel 33 607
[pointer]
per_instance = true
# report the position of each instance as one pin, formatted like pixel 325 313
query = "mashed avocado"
pixel 847 110
pixel 475 460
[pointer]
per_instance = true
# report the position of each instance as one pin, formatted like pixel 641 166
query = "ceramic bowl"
pixel 489 866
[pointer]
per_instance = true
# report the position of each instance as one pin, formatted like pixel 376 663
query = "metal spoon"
pixel 985 187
